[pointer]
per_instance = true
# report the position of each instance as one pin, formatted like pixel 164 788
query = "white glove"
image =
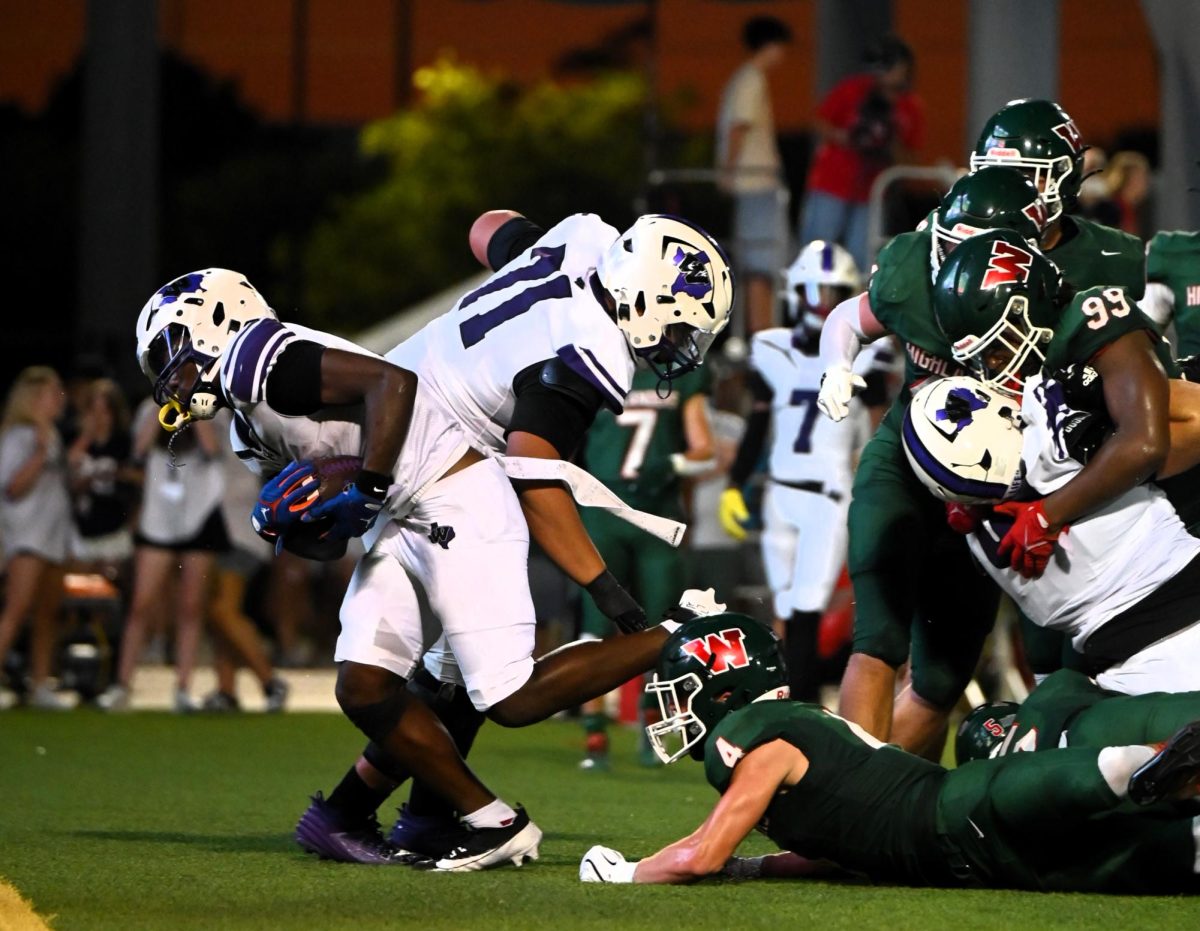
pixel 838 385
pixel 605 865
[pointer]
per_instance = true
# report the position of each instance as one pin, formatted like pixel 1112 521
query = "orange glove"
pixel 1029 543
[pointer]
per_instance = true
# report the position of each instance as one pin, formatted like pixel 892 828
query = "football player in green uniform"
pixel 1068 709
pixel 1173 286
pixel 830 796
pixel 917 594
pixel 643 454
pixel 1004 309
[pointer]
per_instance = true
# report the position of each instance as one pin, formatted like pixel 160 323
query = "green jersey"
pixel 1173 261
pixel 631 452
pixel 867 806
pixel 1094 319
pixel 1100 255
pixel 900 293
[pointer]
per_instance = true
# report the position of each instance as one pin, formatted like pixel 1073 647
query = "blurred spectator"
pixel 716 560
pixel 1094 202
pixel 1128 180
pixel 101 480
pixel 865 124
pixel 235 638
pixel 752 170
pixel 180 525
pixel 35 520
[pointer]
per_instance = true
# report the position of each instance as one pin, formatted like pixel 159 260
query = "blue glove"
pixel 353 510
pixel 284 499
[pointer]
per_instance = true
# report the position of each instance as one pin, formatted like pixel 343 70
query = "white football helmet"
pixel 820 263
pixel 672 288
pixel 193 319
pixel 963 440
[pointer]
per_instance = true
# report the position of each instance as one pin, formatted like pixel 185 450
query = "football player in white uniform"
pixel 811 458
pixel 1123 583
pixel 207 340
pixel 523 363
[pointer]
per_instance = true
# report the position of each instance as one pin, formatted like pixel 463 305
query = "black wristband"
pixel 373 484
pixel 615 603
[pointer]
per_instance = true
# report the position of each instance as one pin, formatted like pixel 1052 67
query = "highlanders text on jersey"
pixel 805 446
pixel 1109 560
pixel 267 441
pixel 538 306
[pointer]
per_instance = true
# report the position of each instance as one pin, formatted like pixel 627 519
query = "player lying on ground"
pixel 836 800
pixel 1068 709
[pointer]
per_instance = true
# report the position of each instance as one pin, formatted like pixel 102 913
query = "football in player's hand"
pixel 304 539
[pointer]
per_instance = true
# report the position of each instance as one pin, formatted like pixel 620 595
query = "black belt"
pixel 1167 610
pixel 816 488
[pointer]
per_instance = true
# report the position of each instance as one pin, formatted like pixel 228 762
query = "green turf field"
pixel 155 821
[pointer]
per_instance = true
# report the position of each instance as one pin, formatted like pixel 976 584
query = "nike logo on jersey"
pixel 1106 252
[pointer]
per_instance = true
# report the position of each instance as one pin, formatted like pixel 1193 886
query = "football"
pixel 333 474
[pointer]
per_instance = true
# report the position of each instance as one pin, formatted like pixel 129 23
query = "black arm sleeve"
pixel 294 386
pixel 510 240
pixel 555 403
pixel 755 437
pixel 876 392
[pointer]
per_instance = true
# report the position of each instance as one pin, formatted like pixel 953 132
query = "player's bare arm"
pixel 707 850
pixel 1137 398
pixel 756 779
pixel 1185 428
pixel 552 515
pixel 387 393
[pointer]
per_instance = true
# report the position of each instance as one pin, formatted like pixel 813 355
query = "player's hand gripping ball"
pixel 284 499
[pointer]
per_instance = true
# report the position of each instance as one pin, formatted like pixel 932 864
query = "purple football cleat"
pixel 426 835
pixel 324 832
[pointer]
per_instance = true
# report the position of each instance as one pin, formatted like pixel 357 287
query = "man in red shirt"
pixel 866 123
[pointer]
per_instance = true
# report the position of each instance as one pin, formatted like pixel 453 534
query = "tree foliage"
pixel 473 142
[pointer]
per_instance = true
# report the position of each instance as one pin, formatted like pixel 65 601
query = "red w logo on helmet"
pixel 1036 212
pixel 1069 132
pixel 719 652
pixel 1008 264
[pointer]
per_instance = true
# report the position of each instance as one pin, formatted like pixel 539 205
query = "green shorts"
pixel 916 587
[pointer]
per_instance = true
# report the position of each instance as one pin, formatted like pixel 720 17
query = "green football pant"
pixel 1049 821
pixel 916 586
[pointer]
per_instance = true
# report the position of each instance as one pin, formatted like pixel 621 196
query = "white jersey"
pixel 1107 561
pixel 806 447
pixel 267 441
pixel 538 306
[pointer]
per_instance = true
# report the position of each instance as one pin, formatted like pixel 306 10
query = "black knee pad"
pixel 373 704
pixel 451 704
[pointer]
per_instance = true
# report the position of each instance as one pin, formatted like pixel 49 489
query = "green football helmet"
pixel 982 731
pixel 1040 137
pixel 709 667
pixel 994 197
pixel 996 300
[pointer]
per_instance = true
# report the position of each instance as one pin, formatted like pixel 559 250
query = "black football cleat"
pixel 1170 771
pixel 480 848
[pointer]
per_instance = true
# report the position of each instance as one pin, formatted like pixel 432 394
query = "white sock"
pixel 1117 764
pixel 495 814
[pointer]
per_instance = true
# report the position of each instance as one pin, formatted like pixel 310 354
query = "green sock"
pixel 595 723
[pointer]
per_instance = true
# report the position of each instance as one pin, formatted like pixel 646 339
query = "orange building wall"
pixel 1108 68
